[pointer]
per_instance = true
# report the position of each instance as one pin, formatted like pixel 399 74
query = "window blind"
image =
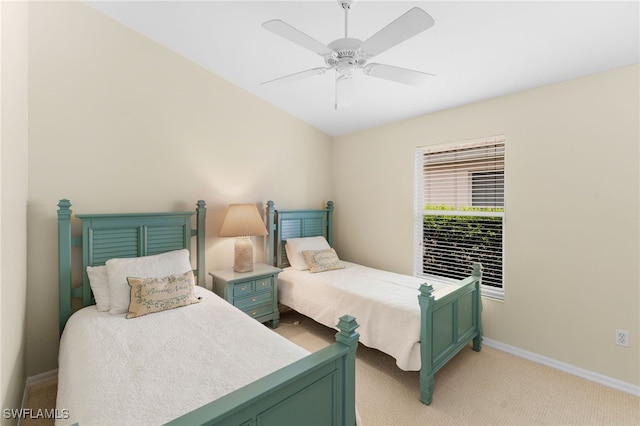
pixel 459 202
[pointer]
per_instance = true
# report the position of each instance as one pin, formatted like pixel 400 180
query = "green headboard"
pixel 283 224
pixel 106 236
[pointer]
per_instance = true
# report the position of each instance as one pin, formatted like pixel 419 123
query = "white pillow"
pixel 156 266
pixel 99 282
pixel 295 246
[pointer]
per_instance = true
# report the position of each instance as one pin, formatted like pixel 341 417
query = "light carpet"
pixel 489 387
pixel 474 388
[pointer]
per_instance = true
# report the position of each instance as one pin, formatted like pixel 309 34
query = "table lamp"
pixel 243 221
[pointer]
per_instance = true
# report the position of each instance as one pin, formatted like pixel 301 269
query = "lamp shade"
pixel 242 220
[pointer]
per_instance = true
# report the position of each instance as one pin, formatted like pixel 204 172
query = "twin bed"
pixel 137 352
pixel 421 325
pixel 169 350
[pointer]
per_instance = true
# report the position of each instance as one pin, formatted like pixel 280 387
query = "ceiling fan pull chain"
pixel 335 91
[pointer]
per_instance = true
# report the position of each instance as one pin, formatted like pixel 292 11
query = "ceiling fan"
pixel 349 56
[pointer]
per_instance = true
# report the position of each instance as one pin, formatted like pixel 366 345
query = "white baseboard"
pixel 46 377
pixel 567 368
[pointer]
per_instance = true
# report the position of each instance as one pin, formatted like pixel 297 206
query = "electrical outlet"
pixel 622 337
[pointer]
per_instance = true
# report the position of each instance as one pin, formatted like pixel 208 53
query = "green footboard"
pixel 316 390
pixel 449 324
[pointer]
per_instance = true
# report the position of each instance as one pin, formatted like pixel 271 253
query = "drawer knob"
pixel 253 313
pixel 253 299
pixel 243 288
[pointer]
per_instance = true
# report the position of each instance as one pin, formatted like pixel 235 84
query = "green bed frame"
pixel 448 324
pixel 316 390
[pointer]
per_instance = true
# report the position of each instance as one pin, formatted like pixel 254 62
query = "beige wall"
pixel 572 213
pixel 13 201
pixel 118 123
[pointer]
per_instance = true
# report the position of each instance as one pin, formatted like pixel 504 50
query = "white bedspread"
pixel 152 369
pixel 385 303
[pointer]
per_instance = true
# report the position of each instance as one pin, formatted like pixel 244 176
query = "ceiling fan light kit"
pixel 348 56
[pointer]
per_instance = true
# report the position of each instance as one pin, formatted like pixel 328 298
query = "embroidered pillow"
pixel 150 295
pixel 295 246
pixel 158 265
pixel 322 260
pixel 99 282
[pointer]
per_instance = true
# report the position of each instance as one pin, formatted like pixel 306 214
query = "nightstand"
pixel 255 292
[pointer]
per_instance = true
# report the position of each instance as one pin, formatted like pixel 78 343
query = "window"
pixel 460 211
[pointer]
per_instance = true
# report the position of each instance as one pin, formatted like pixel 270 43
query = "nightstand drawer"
pixel 254 299
pixel 257 311
pixel 243 288
pixel 264 283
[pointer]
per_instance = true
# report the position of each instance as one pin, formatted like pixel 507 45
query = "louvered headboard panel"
pixel 107 236
pixel 284 224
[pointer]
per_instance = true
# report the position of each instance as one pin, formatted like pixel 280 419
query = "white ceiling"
pixel 477 50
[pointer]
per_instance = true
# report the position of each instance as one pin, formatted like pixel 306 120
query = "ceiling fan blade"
pixel 345 88
pixel 297 76
pixel 400 75
pixel 406 26
pixel 285 30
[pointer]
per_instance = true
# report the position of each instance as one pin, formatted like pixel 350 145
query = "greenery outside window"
pixel 459 206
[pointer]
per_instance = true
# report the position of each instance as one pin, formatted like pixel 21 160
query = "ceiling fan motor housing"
pixel 346 56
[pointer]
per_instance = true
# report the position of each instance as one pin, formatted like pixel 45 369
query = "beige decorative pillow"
pixel 150 295
pixel 322 260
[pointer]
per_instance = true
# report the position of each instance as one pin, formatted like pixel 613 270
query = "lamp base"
pixel 243 259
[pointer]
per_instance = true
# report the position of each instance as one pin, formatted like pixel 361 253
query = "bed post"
pixel 201 213
pixel 348 336
pixel 271 231
pixel 426 300
pixel 330 223
pixel 64 262
pixel 477 309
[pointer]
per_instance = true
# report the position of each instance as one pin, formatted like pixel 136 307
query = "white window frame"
pixel 419 203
